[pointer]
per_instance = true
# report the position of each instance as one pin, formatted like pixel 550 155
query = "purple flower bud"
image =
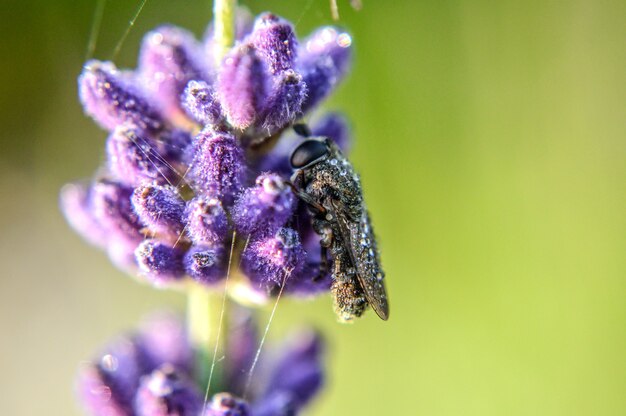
pixel 218 166
pixel 169 58
pixel 201 103
pixel 335 126
pixel 275 42
pixel 160 263
pixel 96 395
pixel 270 260
pixel 110 99
pixel 285 103
pixel 160 208
pixel 299 371
pixel 206 264
pixel 166 392
pixel 75 203
pixel 206 221
pixel 242 87
pixel 112 207
pixel 135 157
pixel 225 404
pixel 109 384
pixel 278 403
pixel 324 60
pixel 264 208
pixel 163 339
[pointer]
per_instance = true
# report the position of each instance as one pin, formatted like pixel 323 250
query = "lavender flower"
pixel 150 372
pixel 198 154
pixel 166 392
pixel 160 209
pixel 269 261
pixel 264 208
pixel 159 262
pixel 170 57
pixel 110 98
pixel 218 167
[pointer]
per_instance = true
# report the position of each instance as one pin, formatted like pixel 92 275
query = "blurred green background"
pixel 492 145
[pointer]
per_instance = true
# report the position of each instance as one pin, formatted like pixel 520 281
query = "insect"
pixel 326 181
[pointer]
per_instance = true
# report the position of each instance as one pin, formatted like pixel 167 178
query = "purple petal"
pixel 264 208
pixel 242 87
pixel 110 99
pixel 166 392
pixel 218 167
pixel 275 42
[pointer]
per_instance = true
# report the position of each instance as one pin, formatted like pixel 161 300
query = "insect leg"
pixel 306 198
pixel 323 264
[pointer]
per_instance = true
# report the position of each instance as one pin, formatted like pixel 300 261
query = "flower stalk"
pixel 224 24
pixel 204 317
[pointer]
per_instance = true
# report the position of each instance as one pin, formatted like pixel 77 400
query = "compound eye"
pixel 309 151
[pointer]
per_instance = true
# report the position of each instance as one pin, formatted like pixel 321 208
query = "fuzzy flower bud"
pixel 264 208
pixel 205 264
pixel 166 392
pixel 112 208
pixel 206 221
pixel 298 371
pixel 160 209
pixel 201 103
pixel 275 42
pixel 160 263
pixel 107 386
pixel 218 167
pixel 324 60
pixel 284 106
pixel 270 260
pixel 169 58
pixel 110 99
pixel 241 86
pixel 75 203
pixel 225 404
pixel 162 338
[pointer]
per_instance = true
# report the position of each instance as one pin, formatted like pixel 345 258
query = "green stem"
pixel 203 317
pixel 224 27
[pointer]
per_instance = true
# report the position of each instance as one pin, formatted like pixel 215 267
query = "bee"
pixel 326 181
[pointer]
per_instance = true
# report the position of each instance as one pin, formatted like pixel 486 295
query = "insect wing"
pixel 361 244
